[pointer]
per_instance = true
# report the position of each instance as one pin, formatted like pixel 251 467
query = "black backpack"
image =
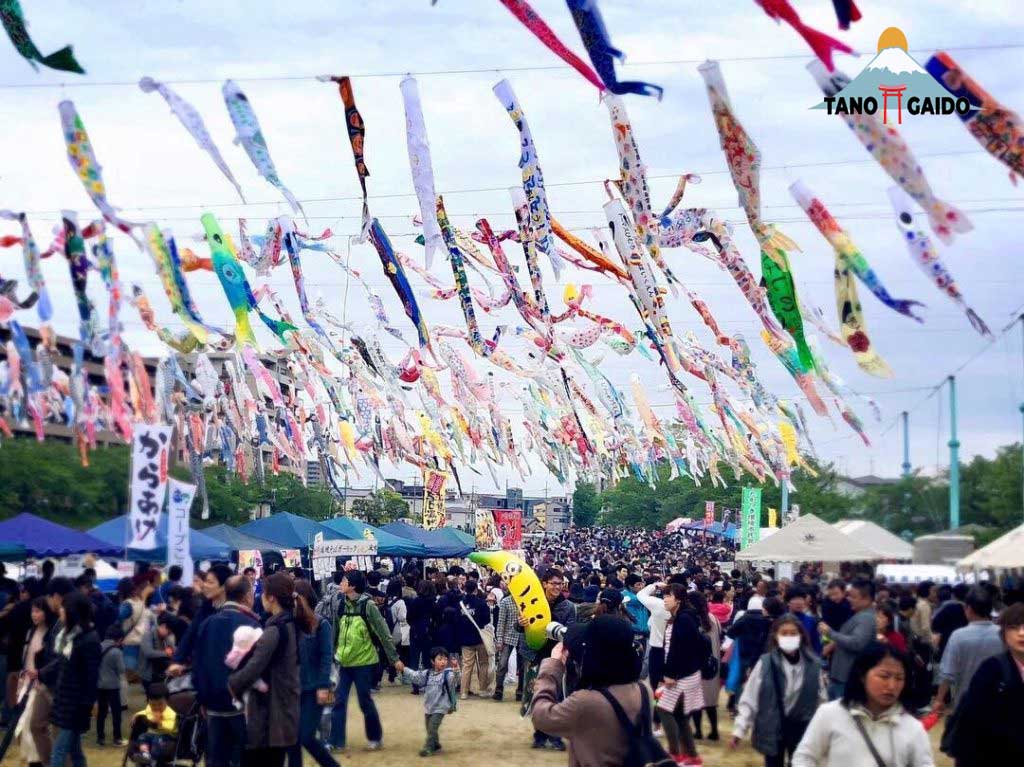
pixel 644 750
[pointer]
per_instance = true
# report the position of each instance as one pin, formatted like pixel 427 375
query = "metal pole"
pixel 905 416
pixel 785 502
pixel 954 460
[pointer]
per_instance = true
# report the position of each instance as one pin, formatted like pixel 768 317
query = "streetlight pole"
pixel 954 460
pixel 1021 318
pixel 905 417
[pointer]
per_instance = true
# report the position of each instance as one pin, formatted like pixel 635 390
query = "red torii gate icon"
pixel 892 90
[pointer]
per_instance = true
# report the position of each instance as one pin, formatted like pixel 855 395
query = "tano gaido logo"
pixel 892 83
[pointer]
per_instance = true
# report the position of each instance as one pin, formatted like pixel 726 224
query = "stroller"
pixel 185 749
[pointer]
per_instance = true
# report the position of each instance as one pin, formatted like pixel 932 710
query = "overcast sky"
pixel 154 170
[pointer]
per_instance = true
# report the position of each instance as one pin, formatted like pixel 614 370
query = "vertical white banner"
pixel 179 550
pixel 148 483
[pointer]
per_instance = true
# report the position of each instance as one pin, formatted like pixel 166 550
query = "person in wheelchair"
pixel 154 730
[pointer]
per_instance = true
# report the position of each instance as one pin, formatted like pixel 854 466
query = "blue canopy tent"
pixel 42 538
pixel 436 542
pixel 12 552
pixel 458 537
pixel 236 540
pixel 290 531
pixel 115 532
pixel 388 544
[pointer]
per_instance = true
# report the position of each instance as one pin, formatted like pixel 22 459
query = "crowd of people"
pixel 647 629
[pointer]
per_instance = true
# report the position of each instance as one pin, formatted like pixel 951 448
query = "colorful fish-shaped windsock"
pixel 236 286
pixel 846 12
pixel 533 178
pixel 189 116
pixel 87 168
pixel 17 29
pixel 78 265
pixel 602 53
pixel 633 185
pixel 356 130
pixel 744 161
pixel 33 265
pixel 396 276
pixel 998 129
pixel 927 258
pixel 422 168
pixel 523 11
pixel 778 281
pixel 821 44
pixel 887 146
pixel 249 135
pixel 847 250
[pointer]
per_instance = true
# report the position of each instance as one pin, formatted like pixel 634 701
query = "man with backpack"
pixel 362 635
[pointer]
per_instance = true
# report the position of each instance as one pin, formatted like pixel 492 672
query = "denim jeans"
pixel 225 740
pixel 309 720
pixel 68 743
pixel 362 678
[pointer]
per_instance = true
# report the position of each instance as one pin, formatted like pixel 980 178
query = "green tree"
pixel 380 507
pixel 586 505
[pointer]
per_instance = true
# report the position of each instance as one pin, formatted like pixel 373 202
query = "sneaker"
pixel 120 742
pixel 713 736
pixel 690 761
pixel 374 745
pixel 538 743
pixel 464 696
pixel 428 751
pixel 555 744
pixel 101 742
pixel 498 696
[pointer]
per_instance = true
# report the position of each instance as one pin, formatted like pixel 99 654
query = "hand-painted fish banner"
pixel 587 16
pixel 33 265
pixel 17 29
pixel 530 19
pixel 356 129
pixel 396 276
pixel 422 168
pixel 189 116
pixel 87 168
pixel 250 136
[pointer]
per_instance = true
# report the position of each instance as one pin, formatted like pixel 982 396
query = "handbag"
pixel 486 637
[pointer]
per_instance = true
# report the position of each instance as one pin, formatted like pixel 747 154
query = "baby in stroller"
pixel 154 731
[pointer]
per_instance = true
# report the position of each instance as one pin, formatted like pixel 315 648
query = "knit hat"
pixel 755 603
pixel 497 594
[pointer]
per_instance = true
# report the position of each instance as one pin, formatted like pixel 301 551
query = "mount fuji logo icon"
pixel 892 82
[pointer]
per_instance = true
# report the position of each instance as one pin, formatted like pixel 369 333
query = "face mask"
pixel 789 644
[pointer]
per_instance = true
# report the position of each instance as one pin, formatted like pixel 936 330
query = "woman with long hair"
pixel 77 651
pixel 712 630
pixel 885 622
pixel 781 695
pixel 869 725
pixel 316 643
pixel 42 618
pixel 134 616
pixel 681 693
pixel 421 627
pixel 397 608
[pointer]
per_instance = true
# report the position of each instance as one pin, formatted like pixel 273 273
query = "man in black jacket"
pixel 751 631
pixel 225 724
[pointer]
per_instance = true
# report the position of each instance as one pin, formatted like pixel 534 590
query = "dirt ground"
pixel 480 732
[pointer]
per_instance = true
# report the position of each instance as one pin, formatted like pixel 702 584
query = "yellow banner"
pixel 434 516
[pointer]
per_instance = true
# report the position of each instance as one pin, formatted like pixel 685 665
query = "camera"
pixel 555 631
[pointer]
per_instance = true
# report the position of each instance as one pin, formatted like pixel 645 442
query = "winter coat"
pixel 361 630
pixel 75 691
pixel 833 740
pixel 751 630
pixel 153 657
pixel 986 726
pixel 213 642
pixel 315 657
pixel 467 632
pixel 272 717
pixel 421 620
pixel 112 669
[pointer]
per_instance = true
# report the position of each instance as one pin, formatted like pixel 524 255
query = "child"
pixel 439 684
pixel 243 641
pixel 155 729
pixel 108 686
